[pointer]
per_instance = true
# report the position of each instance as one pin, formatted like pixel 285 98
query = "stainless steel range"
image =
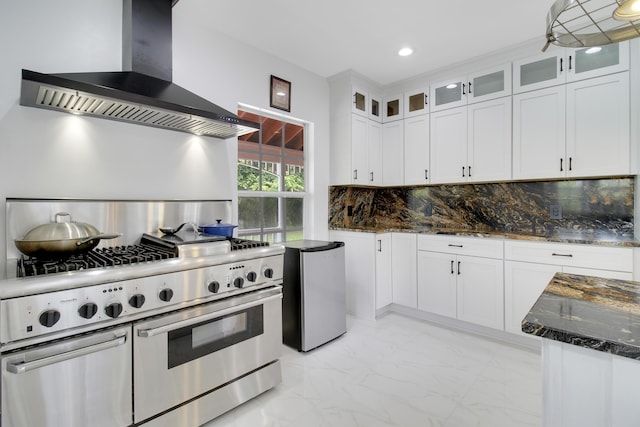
pixel 154 330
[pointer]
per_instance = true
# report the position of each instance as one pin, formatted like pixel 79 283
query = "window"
pixel 271 181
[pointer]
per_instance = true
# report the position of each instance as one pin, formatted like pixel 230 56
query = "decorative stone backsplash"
pixel 598 207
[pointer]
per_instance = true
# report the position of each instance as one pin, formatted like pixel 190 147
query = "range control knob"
pixel 166 294
pixel 49 318
pixel 252 276
pixel 268 273
pixel 238 282
pixel 137 300
pixel 88 310
pixel 113 310
pixel 214 286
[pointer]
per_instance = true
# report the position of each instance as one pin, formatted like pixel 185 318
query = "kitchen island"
pixel 590 329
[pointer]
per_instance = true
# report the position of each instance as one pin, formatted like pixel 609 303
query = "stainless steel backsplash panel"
pixel 129 217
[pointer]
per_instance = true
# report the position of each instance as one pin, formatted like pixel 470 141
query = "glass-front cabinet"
pixel 562 65
pixel 359 101
pixel 416 102
pixel 393 108
pixel 479 86
pixel 375 107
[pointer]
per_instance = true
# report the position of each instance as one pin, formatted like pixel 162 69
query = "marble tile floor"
pixel 399 371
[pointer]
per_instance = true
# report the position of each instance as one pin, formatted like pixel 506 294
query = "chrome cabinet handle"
pixel 204 315
pixel 22 367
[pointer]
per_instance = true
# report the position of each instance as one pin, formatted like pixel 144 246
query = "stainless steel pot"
pixel 61 238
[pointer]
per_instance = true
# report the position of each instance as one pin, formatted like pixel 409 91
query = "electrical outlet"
pixel 555 211
pixel 349 210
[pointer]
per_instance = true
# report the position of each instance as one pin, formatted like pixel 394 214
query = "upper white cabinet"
pixel 392 160
pixel 475 87
pixel 472 143
pixel 566 65
pixel 416 102
pixel 579 129
pixel 392 108
pixel 375 107
pixel 359 101
pixel 416 150
pixel 366 151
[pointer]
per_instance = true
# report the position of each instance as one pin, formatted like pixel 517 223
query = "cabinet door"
pixel 383 270
pixel 437 283
pixel 448 145
pixel 360 272
pixel 523 285
pixel 540 71
pixel 448 93
pixel 393 108
pixel 598 136
pixel 597 61
pixel 393 153
pixel 489 84
pixel 403 255
pixel 539 134
pixel 416 102
pixel 489 140
pixel 416 150
pixel 359 101
pixel 374 154
pixel 480 291
pixel 359 149
pixel 375 107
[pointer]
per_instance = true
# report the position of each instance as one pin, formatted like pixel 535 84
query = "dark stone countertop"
pixel 591 312
pixel 569 236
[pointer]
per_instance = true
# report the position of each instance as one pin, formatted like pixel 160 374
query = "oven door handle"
pixel 22 367
pixel 170 325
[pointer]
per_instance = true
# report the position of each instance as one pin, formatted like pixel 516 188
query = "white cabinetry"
pixel 529 267
pixel 393 108
pixel 375 107
pixel 366 151
pixel 392 160
pixel 359 101
pixel 416 150
pixel 561 65
pixel 416 102
pixel 384 290
pixel 461 278
pixel 404 280
pixel 475 87
pixel 472 143
pixel 579 129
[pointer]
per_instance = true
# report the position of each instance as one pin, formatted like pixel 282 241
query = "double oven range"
pixel 159 331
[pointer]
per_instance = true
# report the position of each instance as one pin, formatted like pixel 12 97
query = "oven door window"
pixel 194 341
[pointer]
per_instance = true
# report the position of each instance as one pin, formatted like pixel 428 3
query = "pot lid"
pixel 63 228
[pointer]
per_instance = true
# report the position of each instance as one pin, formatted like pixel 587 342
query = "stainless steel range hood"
pixel 143 93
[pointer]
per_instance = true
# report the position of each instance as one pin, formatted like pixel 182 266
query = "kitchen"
pixel 134 162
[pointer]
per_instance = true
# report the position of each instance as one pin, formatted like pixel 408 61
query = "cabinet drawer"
pixel 473 246
pixel 586 256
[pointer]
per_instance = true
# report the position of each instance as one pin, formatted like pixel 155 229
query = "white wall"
pixel 50 154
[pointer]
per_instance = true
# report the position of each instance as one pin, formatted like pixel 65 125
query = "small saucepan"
pixel 61 238
pixel 218 229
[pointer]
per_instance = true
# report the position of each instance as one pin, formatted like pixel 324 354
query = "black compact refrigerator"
pixel 314 308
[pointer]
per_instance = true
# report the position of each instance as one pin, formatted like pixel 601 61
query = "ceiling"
pixel 327 37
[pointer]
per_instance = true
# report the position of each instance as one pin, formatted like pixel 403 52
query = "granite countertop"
pixel 591 312
pixel 569 236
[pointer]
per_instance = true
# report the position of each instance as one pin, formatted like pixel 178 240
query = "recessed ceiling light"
pixel 405 51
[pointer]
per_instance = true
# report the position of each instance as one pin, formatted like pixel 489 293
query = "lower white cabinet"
pixel 464 287
pixel 384 291
pixel 529 267
pixel 403 267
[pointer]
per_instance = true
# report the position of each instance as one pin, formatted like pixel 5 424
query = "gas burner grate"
pixel 97 258
pixel 239 244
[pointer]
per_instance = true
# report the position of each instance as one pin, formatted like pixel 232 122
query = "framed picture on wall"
pixel 280 94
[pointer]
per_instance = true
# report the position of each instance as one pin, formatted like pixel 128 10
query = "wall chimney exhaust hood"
pixel 143 93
